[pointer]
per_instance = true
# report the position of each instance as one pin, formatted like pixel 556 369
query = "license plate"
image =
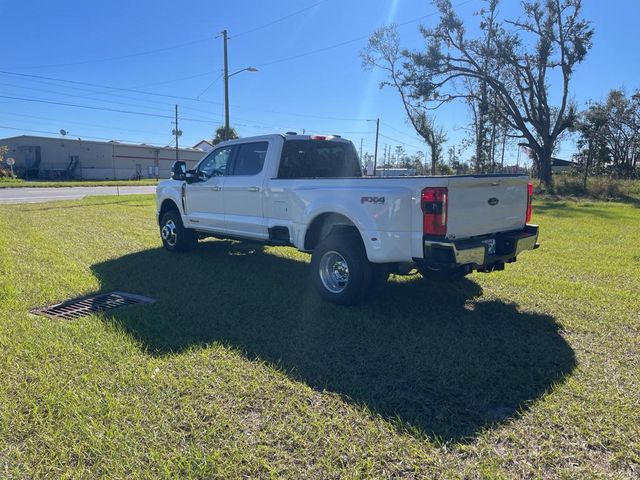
pixel 491 246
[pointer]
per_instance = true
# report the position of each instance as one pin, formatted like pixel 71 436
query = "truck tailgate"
pixel 486 204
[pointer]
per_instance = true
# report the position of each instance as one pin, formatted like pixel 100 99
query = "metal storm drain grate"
pixel 82 307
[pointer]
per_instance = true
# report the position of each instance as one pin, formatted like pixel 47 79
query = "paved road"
pixel 39 194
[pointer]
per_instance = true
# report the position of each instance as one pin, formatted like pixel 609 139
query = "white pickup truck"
pixel 308 192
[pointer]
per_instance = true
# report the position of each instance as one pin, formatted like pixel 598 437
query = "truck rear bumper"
pixel 480 252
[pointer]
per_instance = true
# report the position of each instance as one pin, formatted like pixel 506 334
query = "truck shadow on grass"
pixel 431 358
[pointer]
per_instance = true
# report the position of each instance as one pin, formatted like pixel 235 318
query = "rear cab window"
pixel 318 159
pixel 249 158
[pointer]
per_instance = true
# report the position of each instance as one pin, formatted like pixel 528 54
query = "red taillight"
pixel 321 137
pixel 434 210
pixel 529 214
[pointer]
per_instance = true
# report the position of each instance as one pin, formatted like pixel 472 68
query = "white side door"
pixel 244 191
pixel 203 199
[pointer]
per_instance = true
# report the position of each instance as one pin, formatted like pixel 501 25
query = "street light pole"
pixel 227 127
pixel 226 88
pixel 375 152
pixel 375 155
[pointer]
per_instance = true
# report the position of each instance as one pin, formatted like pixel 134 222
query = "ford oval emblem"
pixel 493 201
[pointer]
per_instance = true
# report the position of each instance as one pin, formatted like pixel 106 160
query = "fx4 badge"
pixel 376 200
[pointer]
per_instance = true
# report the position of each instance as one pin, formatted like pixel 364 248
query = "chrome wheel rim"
pixel 334 272
pixel 168 233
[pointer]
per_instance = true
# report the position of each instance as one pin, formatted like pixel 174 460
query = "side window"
pixel 250 158
pixel 215 164
pixel 318 159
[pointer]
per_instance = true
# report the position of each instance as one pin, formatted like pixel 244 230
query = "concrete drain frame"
pixel 90 304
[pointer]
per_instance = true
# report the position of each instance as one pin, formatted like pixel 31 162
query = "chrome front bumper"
pixel 476 252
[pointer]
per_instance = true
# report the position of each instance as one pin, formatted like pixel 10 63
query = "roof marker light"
pixel 321 137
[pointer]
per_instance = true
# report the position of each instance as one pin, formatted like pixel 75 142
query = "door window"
pixel 215 164
pixel 250 158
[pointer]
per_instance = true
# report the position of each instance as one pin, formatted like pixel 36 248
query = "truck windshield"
pixel 318 158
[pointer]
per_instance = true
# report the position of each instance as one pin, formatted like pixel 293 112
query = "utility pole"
pixel 177 132
pixel 226 88
pixel 375 154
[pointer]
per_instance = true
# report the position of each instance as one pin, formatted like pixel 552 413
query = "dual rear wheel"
pixel 341 272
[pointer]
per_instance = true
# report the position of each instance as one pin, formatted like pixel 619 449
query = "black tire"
pixel 443 274
pixel 340 270
pixel 175 237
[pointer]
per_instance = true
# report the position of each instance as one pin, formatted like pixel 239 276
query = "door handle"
pixel 254 189
pixel 216 188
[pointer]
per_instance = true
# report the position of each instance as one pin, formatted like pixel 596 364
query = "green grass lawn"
pixel 18 183
pixel 238 371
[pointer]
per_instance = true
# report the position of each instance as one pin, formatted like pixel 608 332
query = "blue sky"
pixel 301 84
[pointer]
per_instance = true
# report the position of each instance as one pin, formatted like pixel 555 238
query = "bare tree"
pixel 383 51
pixel 548 38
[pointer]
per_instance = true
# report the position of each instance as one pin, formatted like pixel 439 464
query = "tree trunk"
pixel 492 149
pixel 434 158
pixel 587 166
pixel 544 167
pixel 504 144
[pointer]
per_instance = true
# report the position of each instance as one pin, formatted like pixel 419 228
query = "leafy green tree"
pixel 4 172
pixel 222 135
pixel 609 136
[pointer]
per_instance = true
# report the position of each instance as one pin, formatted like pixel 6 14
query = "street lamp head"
pixel 246 69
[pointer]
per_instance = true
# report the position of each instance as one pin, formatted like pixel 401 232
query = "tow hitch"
pixel 494 267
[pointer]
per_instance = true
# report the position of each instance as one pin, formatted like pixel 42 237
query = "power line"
pixel 65 95
pixel 401 142
pixel 347 42
pixel 170 47
pixel 47 80
pixel 209 86
pixel 76 135
pixel 262 126
pixel 134 90
pixel 83 124
pixel 398 130
pixel 312 52
pixel 133 112
pixel 278 19
pixel 121 57
pixel 92 94
pixel 42 100
pixel 106 109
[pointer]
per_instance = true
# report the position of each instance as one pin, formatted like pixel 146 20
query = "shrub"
pixel 602 187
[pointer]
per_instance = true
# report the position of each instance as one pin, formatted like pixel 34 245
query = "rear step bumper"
pixel 478 253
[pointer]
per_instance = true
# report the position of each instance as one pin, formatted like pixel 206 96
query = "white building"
pixel 66 158
pixel 204 145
